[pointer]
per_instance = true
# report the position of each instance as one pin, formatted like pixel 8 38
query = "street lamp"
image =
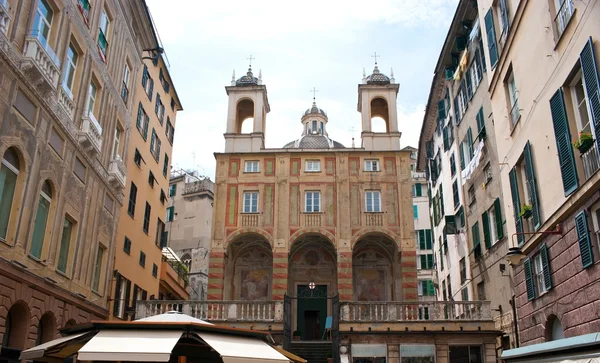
pixel 515 256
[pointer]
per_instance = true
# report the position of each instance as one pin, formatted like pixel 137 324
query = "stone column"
pixel 408 269
pixel 280 275
pixel 216 269
pixel 344 275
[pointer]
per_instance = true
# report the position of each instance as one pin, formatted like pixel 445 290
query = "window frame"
pixel 538 276
pixel 253 199
pixel 371 165
pixel 370 195
pixel 315 166
pixel 314 208
pixel 252 166
pixel 70 69
pixel 10 201
pixel 147 216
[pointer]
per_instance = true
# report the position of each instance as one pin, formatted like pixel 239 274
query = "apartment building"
pixel 542 70
pixel 426 273
pixel 188 226
pixel 64 65
pixel 141 235
pixel 461 156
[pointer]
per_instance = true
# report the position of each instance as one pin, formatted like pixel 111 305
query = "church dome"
pixel 314 110
pixel 377 77
pixel 247 80
pixel 314 142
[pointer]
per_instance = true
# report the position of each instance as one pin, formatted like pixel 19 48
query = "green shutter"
pixel 563 142
pixel 441 258
pixel 514 190
pixel 423 262
pixel 430 288
pixel 546 265
pixel 480 123
pixel 532 187
pixel 117 295
pixel 591 84
pixel 475 233
pixel 498 215
pixel 441 201
pixel 428 240
pixel 529 280
pixel 585 243
pixel 486 230
pixel 462 158
pixel 429 261
pixel 491 37
pixel 441 110
pixel 470 143
pixel 421 234
pixel 418 190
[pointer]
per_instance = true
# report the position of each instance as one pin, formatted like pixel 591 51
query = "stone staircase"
pixel 312 351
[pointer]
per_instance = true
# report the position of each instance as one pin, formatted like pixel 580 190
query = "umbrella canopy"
pixel 158 339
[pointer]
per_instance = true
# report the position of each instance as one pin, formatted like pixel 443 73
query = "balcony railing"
pixel 250 220
pixel 373 219
pixel 312 219
pixel 116 172
pixel 40 59
pixel 216 311
pixel 391 311
pixel 4 16
pixel 591 161
pixel 90 135
pixel 563 15
pixel 65 100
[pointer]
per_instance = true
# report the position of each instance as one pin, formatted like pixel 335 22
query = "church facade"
pixel 315 241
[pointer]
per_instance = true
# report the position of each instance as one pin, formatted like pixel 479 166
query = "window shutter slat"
pixel 514 190
pixel 470 143
pixel 532 187
pixel 421 239
pixel 498 215
pixel 441 109
pixel 127 298
pixel 475 232
pixel 117 294
pixel 591 84
pixel 563 142
pixel 546 265
pixel 462 158
pixel 491 38
pixel 529 280
pixel 486 230
pixel 428 239
pixel 585 243
pixel 418 190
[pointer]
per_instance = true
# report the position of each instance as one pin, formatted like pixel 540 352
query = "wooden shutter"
pixel 480 123
pixel 482 54
pixel 428 244
pixel 423 262
pixel 457 111
pixel 591 83
pixel 127 298
pixel 563 142
pixel 585 243
pixel 462 157
pixel 486 230
pixel 151 89
pixel 491 37
pixel 532 187
pixel 498 221
pixel 529 280
pixel 475 233
pixel 470 143
pixel 514 190
pixel 418 190
pixel 546 265
pixel 441 109
pixel 117 294
pixel 429 261
pixel 430 288
pixel 421 239
pixel 469 84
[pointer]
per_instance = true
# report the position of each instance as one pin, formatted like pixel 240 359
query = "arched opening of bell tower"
pixel 245 116
pixel 380 115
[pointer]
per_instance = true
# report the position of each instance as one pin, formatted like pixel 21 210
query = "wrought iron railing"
pixel 591 161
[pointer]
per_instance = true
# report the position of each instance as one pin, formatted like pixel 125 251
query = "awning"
pixel 291 356
pixel 131 345
pixel 234 349
pixel 40 350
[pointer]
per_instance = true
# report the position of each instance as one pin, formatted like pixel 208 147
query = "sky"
pixel 298 45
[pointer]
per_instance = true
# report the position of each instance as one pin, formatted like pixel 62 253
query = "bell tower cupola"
pixel 246 113
pixel 377 98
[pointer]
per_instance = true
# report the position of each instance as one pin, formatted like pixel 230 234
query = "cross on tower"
pixel 375 56
pixel 251 58
pixel 314 92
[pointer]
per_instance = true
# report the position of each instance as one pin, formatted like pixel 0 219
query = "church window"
pixel 373 201
pixel 251 202
pixel 313 202
pixel 314 126
pixel 322 128
pixel 372 165
pixel 251 166
pixel 313 165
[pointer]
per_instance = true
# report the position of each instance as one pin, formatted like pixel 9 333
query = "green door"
pixel 311 311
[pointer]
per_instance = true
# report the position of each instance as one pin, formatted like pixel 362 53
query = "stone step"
pixel 312 351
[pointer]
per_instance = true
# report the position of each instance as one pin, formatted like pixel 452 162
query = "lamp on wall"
pixel 515 256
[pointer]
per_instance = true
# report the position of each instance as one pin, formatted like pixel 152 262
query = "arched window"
pixel 187 261
pixel 554 329
pixel 9 171
pixel 41 220
pixel 46 328
pixel 15 326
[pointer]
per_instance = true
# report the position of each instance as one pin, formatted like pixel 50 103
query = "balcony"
pixel 116 173
pixel 591 161
pixel 373 219
pixel 4 16
pixel 403 312
pixel 174 279
pixel 250 220
pixel 563 16
pixel 216 311
pixel 40 61
pixel 90 135
pixel 65 100
pixel 312 219
pixel 418 175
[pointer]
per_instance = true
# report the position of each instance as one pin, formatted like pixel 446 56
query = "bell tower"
pixel 246 113
pixel 377 97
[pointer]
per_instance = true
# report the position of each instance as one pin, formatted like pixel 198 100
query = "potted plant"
pixel 329 357
pixel 297 335
pixel 585 142
pixel 526 211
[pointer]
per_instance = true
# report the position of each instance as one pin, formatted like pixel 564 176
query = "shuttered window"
pixel 491 37
pixel 546 266
pixel 462 157
pixel 563 142
pixel 585 243
pixel 498 221
pixel 529 280
pixel 486 230
pixel 480 124
pixel 441 109
pixel 532 186
pixel 476 237
pixel 589 70
pixel 514 190
pixel 470 143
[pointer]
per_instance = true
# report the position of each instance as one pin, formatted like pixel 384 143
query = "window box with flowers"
pixel 526 211
pixel 585 142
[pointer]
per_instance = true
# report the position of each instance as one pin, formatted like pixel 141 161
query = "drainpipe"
pixel 515 323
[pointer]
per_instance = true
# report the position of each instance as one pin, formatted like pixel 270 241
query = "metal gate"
pixel 335 328
pixel 287 322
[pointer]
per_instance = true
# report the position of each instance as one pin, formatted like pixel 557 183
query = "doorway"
pixel 311 312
